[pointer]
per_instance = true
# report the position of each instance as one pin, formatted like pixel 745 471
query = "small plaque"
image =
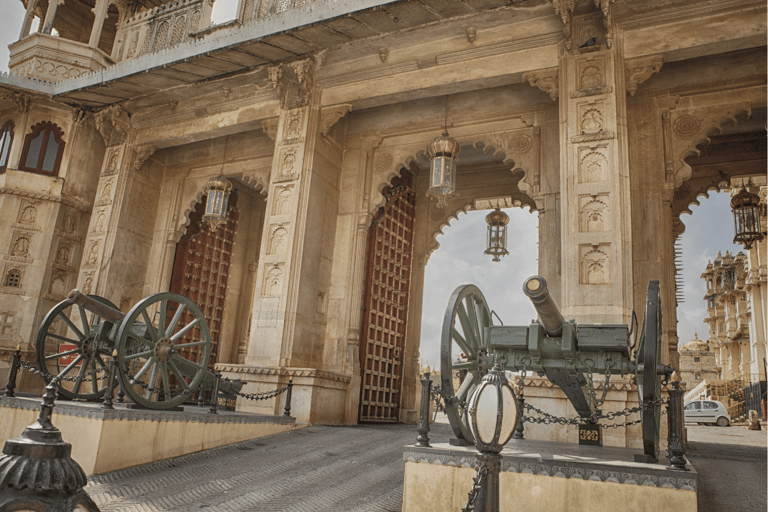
pixel 590 435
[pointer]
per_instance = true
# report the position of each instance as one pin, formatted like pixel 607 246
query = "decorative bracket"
pixel 564 9
pixel 605 7
pixel 331 116
pixel 293 83
pixel 113 123
pixel 270 127
pixel 544 79
pixel 639 70
pixel 142 153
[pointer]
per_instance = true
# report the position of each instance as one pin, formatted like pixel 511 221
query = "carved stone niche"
pixel 594 213
pixel 282 199
pixel 273 280
pixel 28 212
pixel 594 264
pixel 278 239
pixel 593 164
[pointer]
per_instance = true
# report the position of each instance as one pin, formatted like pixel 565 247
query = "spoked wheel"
pixel 163 350
pixel 463 353
pixel 78 355
pixel 647 378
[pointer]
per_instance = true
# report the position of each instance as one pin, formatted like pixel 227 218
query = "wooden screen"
pixel 201 269
pixel 386 292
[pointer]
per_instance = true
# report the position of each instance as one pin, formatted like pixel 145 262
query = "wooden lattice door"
pixel 386 293
pixel 201 269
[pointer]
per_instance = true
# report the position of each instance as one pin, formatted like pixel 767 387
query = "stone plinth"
pixel 107 440
pixel 545 476
pixel 53 59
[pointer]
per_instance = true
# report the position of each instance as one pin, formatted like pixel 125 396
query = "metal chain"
pixel 477 484
pixel 591 386
pixel 438 398
pixel 549 419
pixel 47 375
pixel 261 396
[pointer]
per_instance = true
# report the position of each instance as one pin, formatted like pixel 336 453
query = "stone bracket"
pixel 639 70
pixel 544 79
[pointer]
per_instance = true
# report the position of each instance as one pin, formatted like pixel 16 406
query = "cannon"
pixel 566 353
pixel 163 348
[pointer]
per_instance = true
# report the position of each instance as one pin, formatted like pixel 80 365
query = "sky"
pixel 460 258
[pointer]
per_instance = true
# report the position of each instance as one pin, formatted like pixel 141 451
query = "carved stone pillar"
pixel 598 281
pixel 100 14
pixel 50 15
pixel 28 17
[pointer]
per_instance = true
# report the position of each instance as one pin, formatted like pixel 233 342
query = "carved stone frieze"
pixel 293 83
pixel 639 70
pixel 331 115
pixel 544 79
pixel 601 135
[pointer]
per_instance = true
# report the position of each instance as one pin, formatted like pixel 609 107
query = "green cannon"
pixel 163 348
pixel 566 353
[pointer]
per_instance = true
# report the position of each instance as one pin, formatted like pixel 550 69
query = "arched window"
pixel 6 138
pixel 43 147
pixel 13 279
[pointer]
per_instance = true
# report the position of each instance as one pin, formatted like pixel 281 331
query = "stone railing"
pixel 164 26
pixel 54 59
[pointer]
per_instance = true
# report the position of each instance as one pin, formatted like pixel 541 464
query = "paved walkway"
pixel 360 469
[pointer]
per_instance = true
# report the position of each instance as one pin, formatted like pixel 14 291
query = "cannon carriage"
pixel 566 353
pixel 162 347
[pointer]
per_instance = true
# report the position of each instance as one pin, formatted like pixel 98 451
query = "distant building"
pixel 697 363
pixel 735 316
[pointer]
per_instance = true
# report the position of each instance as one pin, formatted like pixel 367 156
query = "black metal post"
pixel 215 397
pixel 120 395
pixel 287 410
pixel 423 426
pixel 520 426
pixel 10 387
pixel 676 445
pixel 57 481
pixel 201 395
pixel 110 383
pixel 488 496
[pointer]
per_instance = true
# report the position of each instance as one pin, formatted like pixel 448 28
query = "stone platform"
pixel 548 476
pixel 107 440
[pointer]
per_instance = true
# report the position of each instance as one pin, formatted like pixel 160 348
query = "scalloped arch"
pixel 712 128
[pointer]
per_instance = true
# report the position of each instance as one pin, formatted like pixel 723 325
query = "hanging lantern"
pixel 746 216
pixel 443 153
pixel 497 234
pixel 218 190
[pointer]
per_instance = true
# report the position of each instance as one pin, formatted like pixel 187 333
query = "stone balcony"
pixel 53 59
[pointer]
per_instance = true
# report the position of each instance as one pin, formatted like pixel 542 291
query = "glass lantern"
pixel 497 234
pixel 218 190
pixel 746 217
pixel 443 153
pixel 493 411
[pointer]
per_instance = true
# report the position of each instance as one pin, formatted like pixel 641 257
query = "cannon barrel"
pixel 107 313
pixel 535 288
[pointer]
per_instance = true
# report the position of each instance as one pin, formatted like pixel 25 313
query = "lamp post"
pixel 493 413
pixel 746 217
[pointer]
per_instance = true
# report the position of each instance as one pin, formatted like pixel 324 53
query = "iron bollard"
pixel 423 426
pixel 10 387
pixel 201 395
pixel 56 482
pixel 287 410
pixel 109 393
pixel 520 427
pixel 215 397
pixel 120 395
pixel 675 422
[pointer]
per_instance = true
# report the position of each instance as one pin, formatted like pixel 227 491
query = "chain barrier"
pixel 46 376
pixel 266 395
pixel 592 393
pixel 477 484
pixel 548 419
pixel 438 398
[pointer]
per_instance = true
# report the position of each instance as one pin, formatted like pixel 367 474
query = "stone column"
pixel 598 281
pixel 284 300
pixel 50 15
pixel 26 26
pixel 100 14
pixel 734 361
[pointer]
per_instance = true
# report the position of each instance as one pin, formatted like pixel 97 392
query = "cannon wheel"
pixel 464 346
pixel 152 372
pixel 647 379
pixel 90 353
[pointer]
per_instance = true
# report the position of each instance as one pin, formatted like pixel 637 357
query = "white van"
pixel 707 411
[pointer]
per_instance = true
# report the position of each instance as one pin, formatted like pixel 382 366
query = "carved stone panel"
pixel 593 164
pixel 64 254
pixel 93 254
pixel 594 213
pixel 69 225
pixel 273 280
pixel 595 264
pixel 591 117
pixel 289 167
pixel 112 161
pixel 282 199
pixel 591 73
pixel 28 214
pixel 278 239
pixel 20 245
